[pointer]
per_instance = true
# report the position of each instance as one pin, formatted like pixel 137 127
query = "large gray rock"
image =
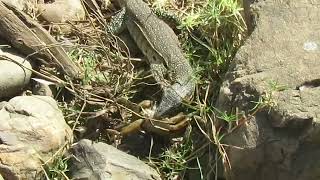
pixel 101 161
pixel 13 74
pixel 31 127
pixel 283 141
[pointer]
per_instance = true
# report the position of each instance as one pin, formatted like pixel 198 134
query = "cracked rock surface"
pixel 280 60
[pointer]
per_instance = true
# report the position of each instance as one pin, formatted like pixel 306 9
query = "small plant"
pixel 214 33
pixel 90 62
pixel 173 162
pixel 227 117
pixel 267 99
pixel 275 86
pixel 57 169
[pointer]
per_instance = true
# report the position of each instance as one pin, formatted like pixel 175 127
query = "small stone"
pixel 14 74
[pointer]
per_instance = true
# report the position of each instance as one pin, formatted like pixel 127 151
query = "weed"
pixel 275 86
pixel 89 61
pixel 227 117
pixel 57 169
pixel 267 99
pixel 173 161
pixel 214 33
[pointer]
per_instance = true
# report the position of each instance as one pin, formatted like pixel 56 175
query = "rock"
pixel 247 15
pixel 31 127
pixel 102 161
pixel 62 11
pixel 13 77
pixel 22 5
pixel 43 88
pixel 280 62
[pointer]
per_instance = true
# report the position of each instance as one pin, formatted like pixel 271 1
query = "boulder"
pixel 280 64
pixel 101 161
pixel 13 74
pixel 31 128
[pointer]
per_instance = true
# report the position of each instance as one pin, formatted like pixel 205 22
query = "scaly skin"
pixel 160 45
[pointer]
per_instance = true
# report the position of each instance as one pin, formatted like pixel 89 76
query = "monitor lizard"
pixel 161 46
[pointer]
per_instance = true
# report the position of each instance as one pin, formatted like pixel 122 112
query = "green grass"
pixel 267 100
pixel 211 30
pixel 89 61
pixel 174 160
pixel 214 33
pixel 57 169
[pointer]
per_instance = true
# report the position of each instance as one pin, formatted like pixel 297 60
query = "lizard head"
pixel 172 98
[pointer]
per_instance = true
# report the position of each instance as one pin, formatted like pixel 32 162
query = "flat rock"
pixel 102 161
pixel 280 62
pixel 31 127
pixel 13 74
